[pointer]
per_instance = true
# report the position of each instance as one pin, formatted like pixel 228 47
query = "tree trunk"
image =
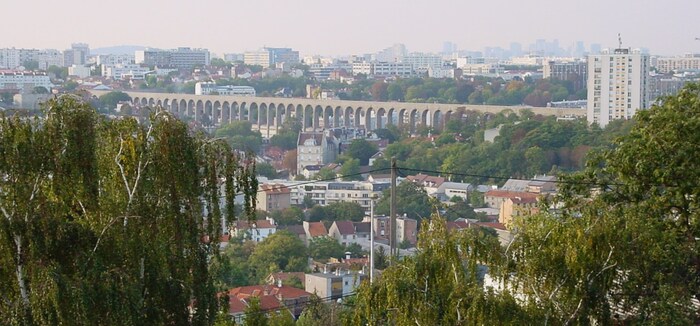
pixel 20 272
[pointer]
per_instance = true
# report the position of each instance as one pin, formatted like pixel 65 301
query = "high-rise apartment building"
pixel 180 57
pixel 574 71
pixel 617 85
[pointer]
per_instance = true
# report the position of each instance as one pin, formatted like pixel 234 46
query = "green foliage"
pixel 254 315
pixel 362 150
pixel 439 285
pixel 111 99
pixel 350 170
pixel 240 136
pixel 337 211
pixel 325 173
pixel 460 209
pixel 58 72
pixel 381 258
pixel 288 216
pixel 323 248
pixel 587 265
pixel 411 200
pixel 281 251
pixel 266 170
pixel 102 220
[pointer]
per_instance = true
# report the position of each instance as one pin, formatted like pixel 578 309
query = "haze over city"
pixel 319 27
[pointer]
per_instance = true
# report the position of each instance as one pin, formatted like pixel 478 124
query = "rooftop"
pixel 345 227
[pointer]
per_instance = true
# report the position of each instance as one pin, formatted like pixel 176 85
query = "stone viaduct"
pixel 266 114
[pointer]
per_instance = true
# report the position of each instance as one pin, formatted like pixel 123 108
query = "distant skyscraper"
pixel 448 47
pixel 579 50
pixel 516 49
pixel 392 54
pixel 617 85
pixel 595 48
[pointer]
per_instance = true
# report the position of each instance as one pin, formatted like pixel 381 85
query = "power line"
pixel 508 178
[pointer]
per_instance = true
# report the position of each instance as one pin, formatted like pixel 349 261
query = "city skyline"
pixel 364 27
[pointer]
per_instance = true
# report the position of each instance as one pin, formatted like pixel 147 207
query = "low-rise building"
pixel 343 232
pixel 333 286
pixel 314 230
pixel 496 198
pixel 209 88
pixel 24 81
pixel 315 148
pixel 273 299
pixel 516 206
pixel 273 197
pixel 257 231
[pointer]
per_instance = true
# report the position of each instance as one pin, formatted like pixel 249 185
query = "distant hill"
pixel 120 49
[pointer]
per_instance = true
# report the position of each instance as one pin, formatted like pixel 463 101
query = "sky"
pixel 330 27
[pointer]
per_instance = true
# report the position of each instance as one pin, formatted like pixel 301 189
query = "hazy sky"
pixel 350 27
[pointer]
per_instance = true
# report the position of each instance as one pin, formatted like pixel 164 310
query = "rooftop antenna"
pixel 619 39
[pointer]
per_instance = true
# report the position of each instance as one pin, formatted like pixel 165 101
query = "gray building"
pixel 334 285
pixel 575 71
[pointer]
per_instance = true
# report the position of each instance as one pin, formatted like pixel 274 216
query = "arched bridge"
pixel 267 113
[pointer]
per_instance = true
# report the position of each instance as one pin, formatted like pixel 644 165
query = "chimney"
pixel 347 255
pixel 279 282
pixel 325 269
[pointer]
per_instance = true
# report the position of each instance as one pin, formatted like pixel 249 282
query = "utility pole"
pixel 371 241
pixel 393 249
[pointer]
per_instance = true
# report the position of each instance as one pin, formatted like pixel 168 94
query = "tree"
pixel 323 248
pixel 266 170
pixel 325 173
pixel 241 136
pixel 439 285
pixel 381 259
pixel 361 150
pixel 58 72
pixel 460 209
pixel 644 201
pixel 350 170
pixel 106 217
pixel 344 211
pixel 288 216
pixel 411 200
pixel 379 91
pixel 254 315
pixel 40 90
pixel 281 251
pixel 31 65
pixel 289 161
pixel 111 99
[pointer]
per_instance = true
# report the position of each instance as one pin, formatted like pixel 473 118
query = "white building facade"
pixel 24 81
pixel 617 85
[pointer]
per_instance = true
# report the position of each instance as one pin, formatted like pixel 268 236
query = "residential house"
pixel 516 206
pixel 315 148
pixel 343 232
pixel 538 184
pixel 273 197
pixel 362 229
pixel 406 229
pixel 297 230
pixel 495 198
pixel 284 277
pixel 428 182
pixel 314 229
pixel 334 286
pixel 273 299
pixel 257 231
pixel 447 190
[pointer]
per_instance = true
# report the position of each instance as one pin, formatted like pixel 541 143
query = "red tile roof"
pixel 509 194
pixel 284 292
pixel 260 224
pixel 345 227
pixel 276 188
pixel 282 276
pixel 457 225
pixel 317 229
pixel 425 179
pixel 492 225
